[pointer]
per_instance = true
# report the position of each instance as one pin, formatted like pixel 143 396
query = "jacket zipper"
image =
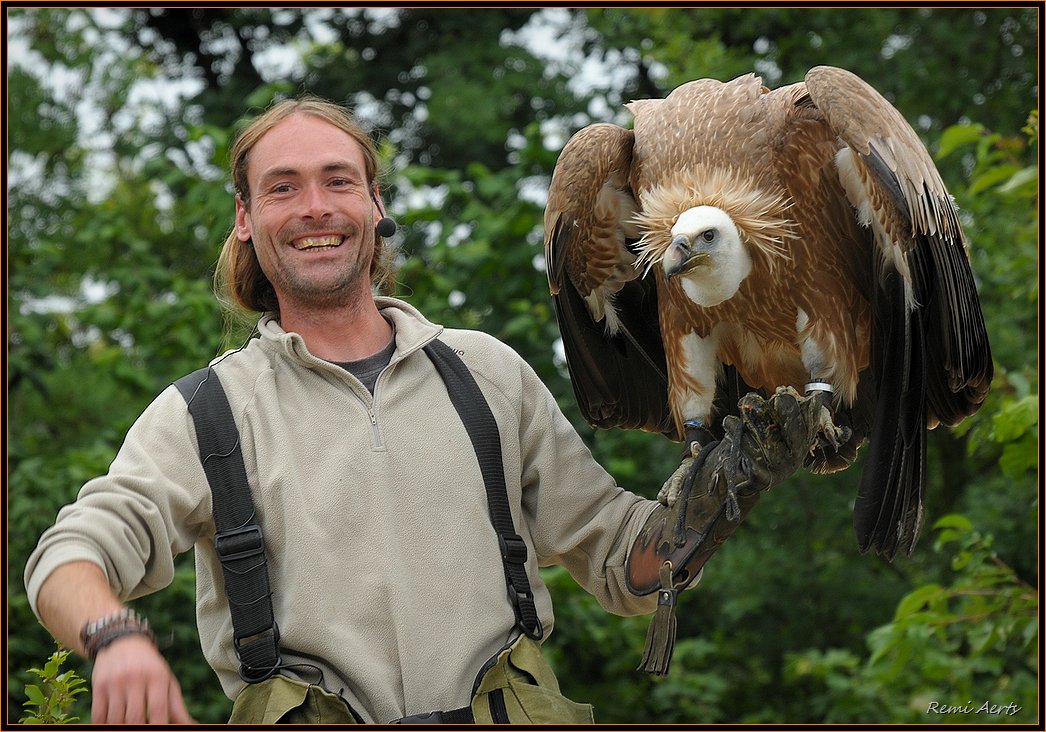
pixel 375 432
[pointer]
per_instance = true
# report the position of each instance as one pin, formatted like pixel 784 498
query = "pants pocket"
pixel 281 700
pixel 521 688
pixel 538 705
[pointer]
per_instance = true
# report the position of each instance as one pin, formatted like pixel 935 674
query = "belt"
pixel 454 716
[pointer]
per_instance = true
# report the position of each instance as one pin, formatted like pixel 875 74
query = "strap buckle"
pixel 259 653
pixel 240 543
pixel 513 548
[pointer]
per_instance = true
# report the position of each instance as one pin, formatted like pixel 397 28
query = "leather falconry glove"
pixel 710 494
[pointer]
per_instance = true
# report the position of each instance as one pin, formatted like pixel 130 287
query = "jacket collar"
pixel 413 331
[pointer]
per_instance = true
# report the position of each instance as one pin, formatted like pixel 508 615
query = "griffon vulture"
pixel 742 239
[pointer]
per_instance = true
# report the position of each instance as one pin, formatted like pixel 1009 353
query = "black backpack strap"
pixel 482 429
pixel 238 538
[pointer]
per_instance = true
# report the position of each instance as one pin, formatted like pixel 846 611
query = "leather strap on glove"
pixel 710 494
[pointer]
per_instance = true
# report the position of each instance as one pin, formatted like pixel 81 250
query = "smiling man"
pixel 378 571
pixel 306 205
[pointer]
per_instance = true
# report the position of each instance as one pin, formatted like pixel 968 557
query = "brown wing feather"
pixel 931 361
pixel 607 318
pixel 589 195
pixel 909 200
pixel 832 281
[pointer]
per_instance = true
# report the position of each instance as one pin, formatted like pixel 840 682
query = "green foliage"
pixel 954 651
pixel 908 54
pixel 49 701
pixel 1015 427
pixel 473 228
pixel 998 200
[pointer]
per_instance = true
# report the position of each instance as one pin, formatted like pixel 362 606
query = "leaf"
pixel 51 669
pixel 957 136
pixel 952 527
pixel 880 641
pixel 1027 176
pixel 36 695
pixel 917 599
pixel 994 176
pixel 1016 418
pixel 954 520
pixel 1031 634
pixel 1018 459
pixel 961 560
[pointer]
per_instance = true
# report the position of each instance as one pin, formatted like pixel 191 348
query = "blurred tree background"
pixel 119 122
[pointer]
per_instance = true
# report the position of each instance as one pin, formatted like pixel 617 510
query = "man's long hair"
pixel 239 282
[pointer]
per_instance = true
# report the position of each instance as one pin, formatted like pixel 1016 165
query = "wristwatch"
pixel 97 634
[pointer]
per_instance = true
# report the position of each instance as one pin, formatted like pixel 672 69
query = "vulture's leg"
pixel 830 436
pixel 729 468
pixel 821 357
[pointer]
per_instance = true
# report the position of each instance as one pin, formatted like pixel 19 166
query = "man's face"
pixel 310 214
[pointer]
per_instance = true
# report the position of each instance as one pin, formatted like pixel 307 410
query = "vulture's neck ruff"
pixel 751 226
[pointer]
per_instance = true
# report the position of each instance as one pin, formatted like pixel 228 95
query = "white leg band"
pixel 819 386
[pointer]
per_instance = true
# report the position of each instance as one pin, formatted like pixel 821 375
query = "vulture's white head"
pixel 707 254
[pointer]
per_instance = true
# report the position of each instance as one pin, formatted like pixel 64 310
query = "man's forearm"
pixel 72 595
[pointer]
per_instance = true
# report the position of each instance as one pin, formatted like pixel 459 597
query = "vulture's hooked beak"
pixel 681 257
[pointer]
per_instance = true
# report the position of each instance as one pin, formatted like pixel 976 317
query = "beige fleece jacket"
pixel 384 565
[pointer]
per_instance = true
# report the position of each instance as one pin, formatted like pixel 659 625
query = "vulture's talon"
pixel 730 467
pixel 830 436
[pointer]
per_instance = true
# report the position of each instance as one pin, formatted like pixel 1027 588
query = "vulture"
pixel 740 239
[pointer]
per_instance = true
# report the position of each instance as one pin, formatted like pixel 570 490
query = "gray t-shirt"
pixel 367 369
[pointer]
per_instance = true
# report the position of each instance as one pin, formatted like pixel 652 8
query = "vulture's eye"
pixel 709 235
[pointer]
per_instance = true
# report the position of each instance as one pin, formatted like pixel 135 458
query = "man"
pixel 388 585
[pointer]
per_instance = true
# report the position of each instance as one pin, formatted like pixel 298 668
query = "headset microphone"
pixel 385 227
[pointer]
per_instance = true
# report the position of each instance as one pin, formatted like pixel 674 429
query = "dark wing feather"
pixel 888 509
pixel 619 378
pixel 931 358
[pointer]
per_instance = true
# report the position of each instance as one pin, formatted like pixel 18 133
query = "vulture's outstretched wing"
pixel 607 315
pixel 930 355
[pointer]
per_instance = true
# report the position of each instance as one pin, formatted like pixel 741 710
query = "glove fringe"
pixel 661 635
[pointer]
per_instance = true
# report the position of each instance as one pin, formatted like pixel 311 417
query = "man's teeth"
pixel 318 242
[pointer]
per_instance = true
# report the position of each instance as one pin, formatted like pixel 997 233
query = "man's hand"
pixel 709 495
pixel 132 684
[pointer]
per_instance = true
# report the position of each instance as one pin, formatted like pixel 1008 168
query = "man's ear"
pixel 243 222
